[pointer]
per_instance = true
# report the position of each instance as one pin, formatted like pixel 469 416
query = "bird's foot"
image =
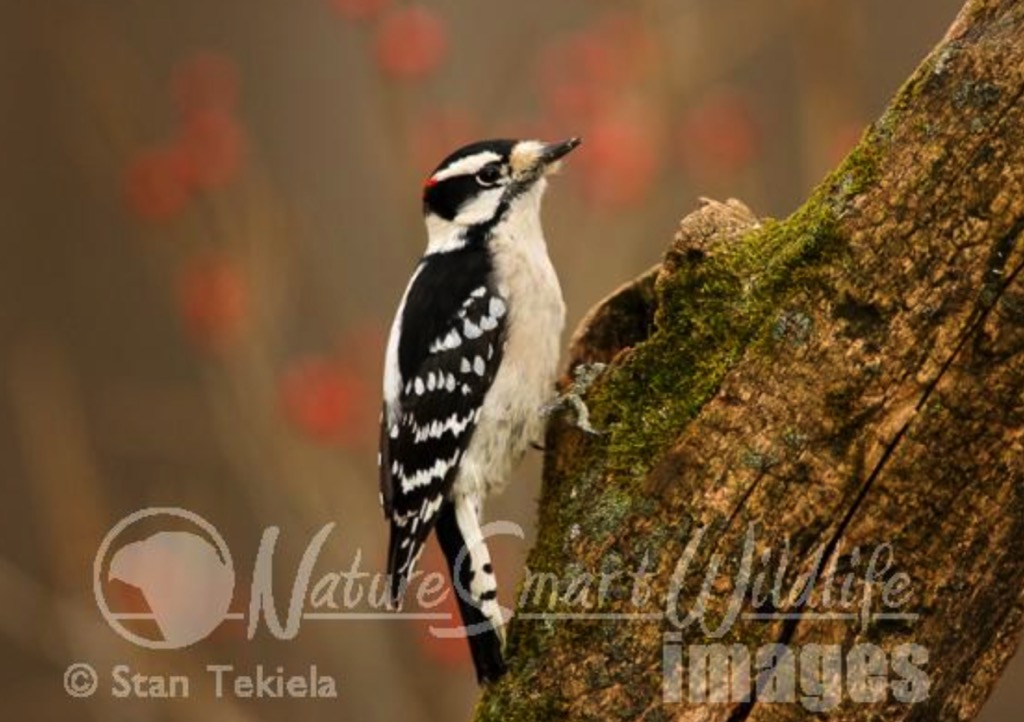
pixel 583 376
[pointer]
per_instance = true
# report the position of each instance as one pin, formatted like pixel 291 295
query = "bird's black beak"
pixel 553 152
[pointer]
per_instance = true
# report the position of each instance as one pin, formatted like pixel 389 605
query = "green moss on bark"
pixel 710 311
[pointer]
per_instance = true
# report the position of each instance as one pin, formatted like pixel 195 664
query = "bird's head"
pixel 482 183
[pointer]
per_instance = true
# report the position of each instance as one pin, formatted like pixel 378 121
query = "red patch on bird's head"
pixel 428 184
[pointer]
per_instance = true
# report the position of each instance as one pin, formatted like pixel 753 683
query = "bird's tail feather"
pixel 396 579
pixel 469 563
pixel 404 549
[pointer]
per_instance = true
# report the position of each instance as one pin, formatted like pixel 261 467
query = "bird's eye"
pixel 488 175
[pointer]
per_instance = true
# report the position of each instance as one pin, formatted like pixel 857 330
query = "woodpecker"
pixel 470 363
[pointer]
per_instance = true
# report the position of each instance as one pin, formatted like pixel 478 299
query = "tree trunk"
pixel 783 402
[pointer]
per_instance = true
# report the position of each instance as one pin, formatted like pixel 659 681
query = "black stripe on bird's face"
pixel 473 173
pixel 444 198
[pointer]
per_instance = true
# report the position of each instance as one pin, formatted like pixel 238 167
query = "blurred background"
pixel 210 211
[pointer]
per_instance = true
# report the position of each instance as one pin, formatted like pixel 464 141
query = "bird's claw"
pixel 583 376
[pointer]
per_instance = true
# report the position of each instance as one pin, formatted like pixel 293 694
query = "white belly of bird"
pixel 512 415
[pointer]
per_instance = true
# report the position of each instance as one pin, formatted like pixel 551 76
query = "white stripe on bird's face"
pixel 469 165
pixel 480 208
pixel 444 235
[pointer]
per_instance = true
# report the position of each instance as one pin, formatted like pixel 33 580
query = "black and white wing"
pixel 445 349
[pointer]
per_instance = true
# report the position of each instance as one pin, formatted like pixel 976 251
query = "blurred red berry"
pixel 591 59
pixel 719 137
pixel 212 143
pixel 359 10
pixel 619 162
pixel 632 44
pixel 156 184
pixel 584 74
pixel 438 132
pixel 214 300
pixel 572 103
pixel 206 80
pixel 568 88
pixel 411 42
pixel 322 399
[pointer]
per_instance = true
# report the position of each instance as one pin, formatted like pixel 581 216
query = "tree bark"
pixel 848 380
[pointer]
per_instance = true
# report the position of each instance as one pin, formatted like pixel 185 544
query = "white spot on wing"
pixel 431 506
pixel 451 341
pixel 470 329
pixel 424 477
pixel 437 428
